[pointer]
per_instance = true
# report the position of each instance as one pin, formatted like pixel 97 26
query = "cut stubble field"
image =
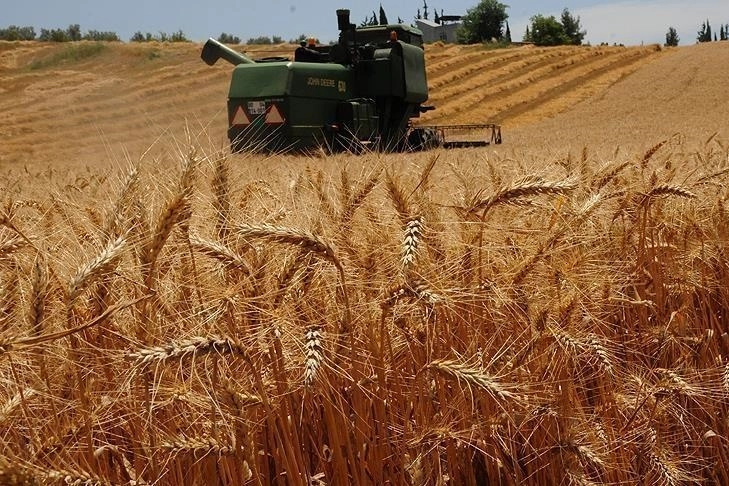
pixel 548 311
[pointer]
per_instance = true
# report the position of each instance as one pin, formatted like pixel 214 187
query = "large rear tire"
pixel 423 139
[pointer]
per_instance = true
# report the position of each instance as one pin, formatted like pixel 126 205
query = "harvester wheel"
pixel 346 143
pixel 423 139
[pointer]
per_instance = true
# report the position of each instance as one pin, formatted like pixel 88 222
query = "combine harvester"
pixel 358 95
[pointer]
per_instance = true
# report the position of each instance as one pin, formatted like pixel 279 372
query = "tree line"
pixel 487 22
pixel 73 33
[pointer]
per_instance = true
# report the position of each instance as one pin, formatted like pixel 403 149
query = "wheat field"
pixel 524 314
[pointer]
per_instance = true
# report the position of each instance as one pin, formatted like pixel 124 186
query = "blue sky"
pixel 630 22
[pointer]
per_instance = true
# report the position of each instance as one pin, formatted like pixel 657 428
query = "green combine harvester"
pixel 359 94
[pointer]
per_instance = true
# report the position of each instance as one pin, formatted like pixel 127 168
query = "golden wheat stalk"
pixel 515 193
pixel 221 191
pixel 191 347
pixel 668 473
pixel 73 478
pixel 352 201
pixel 290 236
pixel 314 354
pixel 648 155
pixel 424 181
pixel 397 197
pixel 236 400
pixel 471 376
pixel 411 241
pixel 608 176
pixel 308 242
pixel 176 211
pixel 103 264
pixel 198 446
pixel 117 220
pixel 11 245
pixel 118 455
pixel 422 290
pixel 604 361
pixel 221 253
pixel 416 289
pixel 39 296
pixel 670 190
pixel 17 344
pixel 15 401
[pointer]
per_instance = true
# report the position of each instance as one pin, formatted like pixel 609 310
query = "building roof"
pixel 426 22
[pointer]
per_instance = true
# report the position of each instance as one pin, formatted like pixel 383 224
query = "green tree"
pixel 571 28
pixel 224 38
pixel 54 35
pixel 148 37
pixel 547 31
pixel 262 40
pixel 383 16
pixel 672 37
pixel 179 36
pixel 95 35
pixel 483 22
pixel 15 33
pixel 704 35
pixel 74 32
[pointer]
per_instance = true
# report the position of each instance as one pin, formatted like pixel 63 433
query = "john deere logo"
pixel 342 86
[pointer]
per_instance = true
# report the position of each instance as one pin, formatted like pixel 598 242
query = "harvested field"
pixel 548 311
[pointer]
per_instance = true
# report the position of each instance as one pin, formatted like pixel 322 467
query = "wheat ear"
pixel 11 245
pixel 101 265
pixel 198 446
pixel 604 179
pixel 235 400
pixel 177 211
pixel 190 347
pixel 117 219
pixel 411 241
pixel 221 203
pixel 471 376
pixel 354 200
pixel 314 354
pixel 670 190
pixel 398 198
pixel 221 253
pixel 515 193
pixel 290 236
pixel 651 152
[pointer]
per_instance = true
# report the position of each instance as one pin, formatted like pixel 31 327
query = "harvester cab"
pixel 359 94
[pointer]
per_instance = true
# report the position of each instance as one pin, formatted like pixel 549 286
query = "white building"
pixel 432 32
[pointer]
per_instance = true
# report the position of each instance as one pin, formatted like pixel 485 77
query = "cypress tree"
pixel 672 37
